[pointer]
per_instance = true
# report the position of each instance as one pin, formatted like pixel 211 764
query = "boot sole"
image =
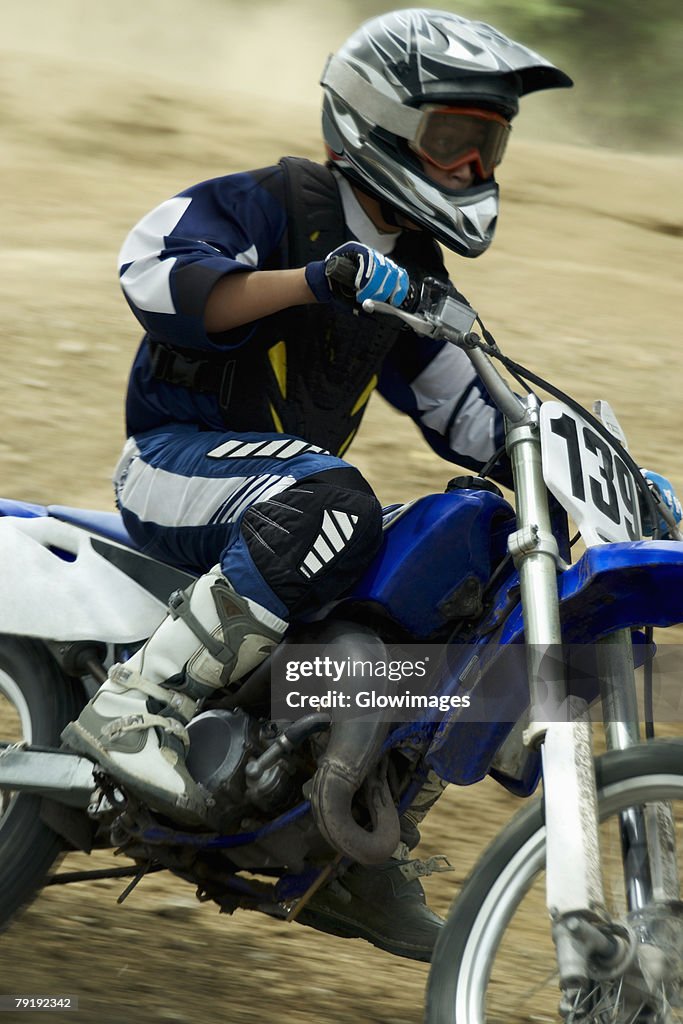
pixel 191 811
pixel 331 924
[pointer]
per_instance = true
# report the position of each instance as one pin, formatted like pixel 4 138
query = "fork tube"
pixel 573 878
pixel 535 552
pixel 620 717
pixel 533 546
pixel 537 567
pixel 648 834
pixel 618 690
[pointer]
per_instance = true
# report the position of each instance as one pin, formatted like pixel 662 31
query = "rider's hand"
pixel 662 488
pixel 377 277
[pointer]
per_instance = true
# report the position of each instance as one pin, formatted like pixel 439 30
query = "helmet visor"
pixel 451 136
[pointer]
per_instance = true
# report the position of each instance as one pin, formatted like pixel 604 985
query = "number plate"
pixel 588 476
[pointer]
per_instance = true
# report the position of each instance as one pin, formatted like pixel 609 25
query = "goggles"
pixel 449 137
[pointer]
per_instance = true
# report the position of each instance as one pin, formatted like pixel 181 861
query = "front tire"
pixel 36 702
pixel 495 959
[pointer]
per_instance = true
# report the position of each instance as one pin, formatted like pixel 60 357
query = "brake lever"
pixel 418 323
pixel 425 325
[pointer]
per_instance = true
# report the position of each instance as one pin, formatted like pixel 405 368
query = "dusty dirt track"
pixel 583 284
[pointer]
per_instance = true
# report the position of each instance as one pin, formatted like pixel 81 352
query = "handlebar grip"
pixel 341 271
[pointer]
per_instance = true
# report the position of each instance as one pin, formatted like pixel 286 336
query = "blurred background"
pixel 625 57
pixel 107 109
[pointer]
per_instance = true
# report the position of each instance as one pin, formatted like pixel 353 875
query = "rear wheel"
pixel 495 959
pixel 36 702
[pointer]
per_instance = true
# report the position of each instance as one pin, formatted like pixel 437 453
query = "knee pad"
pixel 313 540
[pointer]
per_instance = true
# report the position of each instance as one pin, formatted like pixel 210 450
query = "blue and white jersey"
pixel 238 223
pixel 173 257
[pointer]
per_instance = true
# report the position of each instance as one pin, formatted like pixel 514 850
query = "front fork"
pixel 585 937
pixel 648 832
pixel 573 877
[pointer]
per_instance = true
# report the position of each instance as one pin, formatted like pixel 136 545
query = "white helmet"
pixel 417 85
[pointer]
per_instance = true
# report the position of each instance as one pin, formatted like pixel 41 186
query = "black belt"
pixel 210 374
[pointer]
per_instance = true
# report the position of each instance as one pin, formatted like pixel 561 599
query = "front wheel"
pixel 495 959
pixel 36 702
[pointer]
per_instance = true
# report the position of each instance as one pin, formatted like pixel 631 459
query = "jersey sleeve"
pixel 436 385
pixel 173 257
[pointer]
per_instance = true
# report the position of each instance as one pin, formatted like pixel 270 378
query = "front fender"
pixel 614 586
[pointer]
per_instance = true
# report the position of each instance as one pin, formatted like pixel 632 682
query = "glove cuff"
pixel 316 279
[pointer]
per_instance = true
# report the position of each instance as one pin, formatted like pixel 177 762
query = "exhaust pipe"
pixel 350 762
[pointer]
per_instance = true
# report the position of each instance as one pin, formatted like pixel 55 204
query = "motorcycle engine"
pixel 224 755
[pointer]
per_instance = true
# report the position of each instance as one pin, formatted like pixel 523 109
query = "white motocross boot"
pixel 134 726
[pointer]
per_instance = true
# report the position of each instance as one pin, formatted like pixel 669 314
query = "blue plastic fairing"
pixel 436 550
pixel 613 586
pixel 22 509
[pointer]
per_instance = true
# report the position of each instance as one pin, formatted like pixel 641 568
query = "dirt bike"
pixel 591 872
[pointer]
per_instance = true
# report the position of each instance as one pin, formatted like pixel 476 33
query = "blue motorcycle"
pixel 530 652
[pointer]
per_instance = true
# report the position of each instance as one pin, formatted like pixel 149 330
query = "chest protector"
pixel 309 370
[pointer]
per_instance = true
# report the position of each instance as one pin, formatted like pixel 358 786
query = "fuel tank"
pixel 438 554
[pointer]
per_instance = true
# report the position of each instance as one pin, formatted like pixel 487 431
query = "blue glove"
pixel 377 277
pixel 663 489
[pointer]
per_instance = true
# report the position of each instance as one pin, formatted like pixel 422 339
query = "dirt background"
pixel 108 109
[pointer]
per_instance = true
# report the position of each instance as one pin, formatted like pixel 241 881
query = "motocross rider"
pixel 252 378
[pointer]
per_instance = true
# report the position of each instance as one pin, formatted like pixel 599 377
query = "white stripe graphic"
pixel 271 450
pixel 336 529
pixel 345 522
pixel 245 450
pixel 331 532
pixel 312 563
pixel 223 449
pixel 321 549
pixel 293 448
pixel 283 448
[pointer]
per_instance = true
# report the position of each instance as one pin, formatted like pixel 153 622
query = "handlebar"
pixel 429 311
pixel 432 311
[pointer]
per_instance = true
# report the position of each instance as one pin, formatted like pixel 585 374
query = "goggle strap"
pixel 372 105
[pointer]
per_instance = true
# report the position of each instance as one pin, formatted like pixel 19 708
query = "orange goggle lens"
pixel 451 136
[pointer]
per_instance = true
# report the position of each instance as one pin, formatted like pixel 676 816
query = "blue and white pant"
pixel 291 525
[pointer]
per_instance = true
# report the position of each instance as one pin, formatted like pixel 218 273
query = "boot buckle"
pixel 179 607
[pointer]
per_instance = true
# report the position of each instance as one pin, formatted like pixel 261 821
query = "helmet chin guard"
pixel 397 63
